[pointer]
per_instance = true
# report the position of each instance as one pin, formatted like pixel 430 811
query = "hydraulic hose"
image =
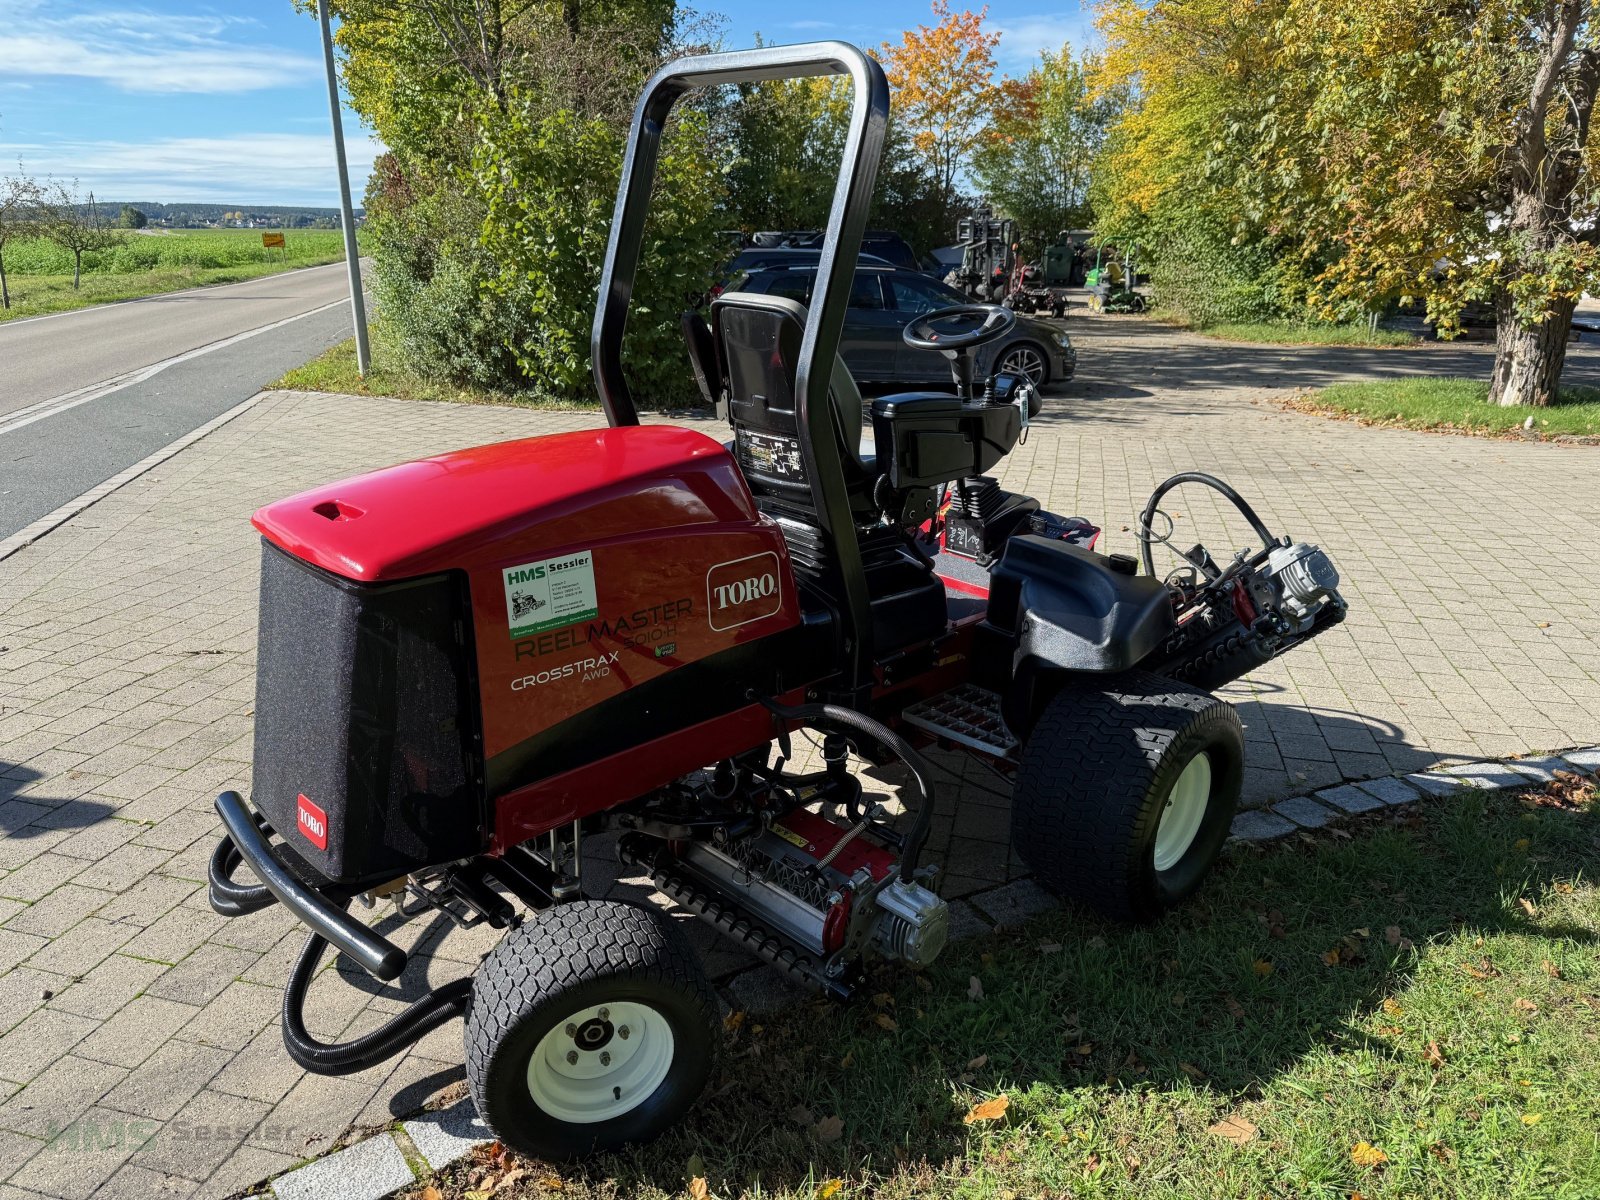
pixel 1211 481
pixel 229 897
pixel 921 770
pixel 404 1030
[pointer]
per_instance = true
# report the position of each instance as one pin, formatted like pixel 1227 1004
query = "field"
pixel 39 273
pixel 1455 406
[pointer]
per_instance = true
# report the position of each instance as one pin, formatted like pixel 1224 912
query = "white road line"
pixel 205 287
pixel 41 409
pixel 31 533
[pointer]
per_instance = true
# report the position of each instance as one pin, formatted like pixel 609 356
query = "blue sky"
pixel 168 101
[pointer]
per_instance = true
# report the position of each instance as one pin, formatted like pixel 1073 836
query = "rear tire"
pixel 592 1026
pixel 1125 792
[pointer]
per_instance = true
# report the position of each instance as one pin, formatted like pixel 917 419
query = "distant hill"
pixel 187 215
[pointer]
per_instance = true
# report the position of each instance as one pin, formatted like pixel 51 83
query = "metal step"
pixel 969 715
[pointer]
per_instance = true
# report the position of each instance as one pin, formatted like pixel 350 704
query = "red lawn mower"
pixel 473 664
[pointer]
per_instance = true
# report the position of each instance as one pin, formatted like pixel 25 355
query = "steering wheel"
pixel 920 334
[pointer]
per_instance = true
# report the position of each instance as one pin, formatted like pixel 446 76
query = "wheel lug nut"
pixel 605 1058
pixel 605 1014
pixel 572 1030
pixel 572 1057
pixel 622 1032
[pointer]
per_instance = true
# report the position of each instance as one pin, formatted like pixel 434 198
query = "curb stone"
pixel 375 1167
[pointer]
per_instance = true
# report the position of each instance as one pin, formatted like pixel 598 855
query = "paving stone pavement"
pixel 140 1051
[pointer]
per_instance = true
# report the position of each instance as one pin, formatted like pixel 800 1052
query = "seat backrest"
pixel 757 340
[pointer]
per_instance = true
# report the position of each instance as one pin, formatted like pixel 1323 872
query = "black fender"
pixel 1057 610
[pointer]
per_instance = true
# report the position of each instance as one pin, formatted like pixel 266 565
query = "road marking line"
pixel 41 409
pixel 205 287
pixel 32 533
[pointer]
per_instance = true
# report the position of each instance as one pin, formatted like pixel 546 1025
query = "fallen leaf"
pixel 733 1020
pixel 1433 1056
pixel 828 1188
pixel 1235 1129
pixel 1049 947
pixel 1235 1009
pixel 1522 843
pixel 1092 1163
pixel 885 1021
pixel 511 1177
pixel 1523 1004
pixel 974 988
pixel 989 1110
pixel 848 1061
pixel 1331 957
pixel 1084 1048
pixel 432 1193
pixel 1392 935
pixel 1192 1071
pixel 475 1195
pixel 1365 1154
pixel 1551 969
pixel 801 1115
pixel 699 1189
pixel 1532 1118
pixel 1392 1007
pixel 1527 907
pixel 1263 968
pixel 884 1000
pixel 830 1129
pixel 978 1063
pixel 552 1184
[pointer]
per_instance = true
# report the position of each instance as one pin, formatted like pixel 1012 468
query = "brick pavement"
pixel 139 1046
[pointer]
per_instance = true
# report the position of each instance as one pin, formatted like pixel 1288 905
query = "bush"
pixel 1202 279
pixel 548 181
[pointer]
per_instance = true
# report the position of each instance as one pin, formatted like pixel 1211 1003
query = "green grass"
pixel 1286 333
pixel 1460 405
pixel 39 273
pixel 1406 1008
pixel 334 370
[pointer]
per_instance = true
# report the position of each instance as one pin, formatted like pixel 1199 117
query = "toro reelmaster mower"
pixel 472 665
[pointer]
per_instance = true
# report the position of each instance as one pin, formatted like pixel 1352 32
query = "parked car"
pixel 883 300
pixel 884 244
pixel 758 258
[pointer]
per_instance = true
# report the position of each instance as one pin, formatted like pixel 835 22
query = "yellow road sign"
pixel 272 241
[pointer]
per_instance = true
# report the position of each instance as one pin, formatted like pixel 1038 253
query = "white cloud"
pixel 251 168
pixel 1022 39
pixel 138 51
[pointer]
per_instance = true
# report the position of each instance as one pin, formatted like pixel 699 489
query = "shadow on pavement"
pixel 30 816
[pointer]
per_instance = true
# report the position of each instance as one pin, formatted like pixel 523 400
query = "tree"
pixel 1397 149
pixel 20 199
pixel 945 92
pixel 1035 164
pixel 131 218
pixel 76 228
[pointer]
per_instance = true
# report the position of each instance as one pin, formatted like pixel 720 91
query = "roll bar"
pixel 841 247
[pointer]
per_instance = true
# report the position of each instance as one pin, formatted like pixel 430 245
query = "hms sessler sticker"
pixel 550 593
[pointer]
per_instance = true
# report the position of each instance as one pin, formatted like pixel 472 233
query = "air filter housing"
pixel 367 754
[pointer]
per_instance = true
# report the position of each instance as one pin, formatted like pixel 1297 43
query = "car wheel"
pixel 1026 359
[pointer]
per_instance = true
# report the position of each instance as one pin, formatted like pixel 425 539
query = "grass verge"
pixel 36 295
pixel 1406 1006
pixel 334 370
pixel 1283 333
pixel 1453 405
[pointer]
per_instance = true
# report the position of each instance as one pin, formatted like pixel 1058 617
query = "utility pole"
pixel 352 255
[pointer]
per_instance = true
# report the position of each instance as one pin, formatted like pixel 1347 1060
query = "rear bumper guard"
pixel 246 841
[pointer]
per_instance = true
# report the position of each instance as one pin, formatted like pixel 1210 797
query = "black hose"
pixel 920 768
pixel 1211 481
pixel 403 1031
pixel 229 898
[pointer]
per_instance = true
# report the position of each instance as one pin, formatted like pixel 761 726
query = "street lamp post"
pixel 352 255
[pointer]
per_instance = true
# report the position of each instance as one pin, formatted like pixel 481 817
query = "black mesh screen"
pixel 364 705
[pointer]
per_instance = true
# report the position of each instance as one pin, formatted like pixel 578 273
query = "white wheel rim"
pixel 1185 810
pixel 1024 362
pixel 601 1062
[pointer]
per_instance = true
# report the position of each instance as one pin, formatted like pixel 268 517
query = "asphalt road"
pixel 86 394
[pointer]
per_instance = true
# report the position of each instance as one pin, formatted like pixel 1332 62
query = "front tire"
pixel 1126 791
pixel 592 1026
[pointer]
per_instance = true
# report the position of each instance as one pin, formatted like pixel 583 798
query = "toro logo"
pixel 744 590
pixel 312 822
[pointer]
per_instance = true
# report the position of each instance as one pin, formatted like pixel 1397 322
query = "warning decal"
pixel 552 592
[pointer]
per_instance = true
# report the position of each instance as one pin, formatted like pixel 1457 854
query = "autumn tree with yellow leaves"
pixel 946 95
pixel 1343 156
